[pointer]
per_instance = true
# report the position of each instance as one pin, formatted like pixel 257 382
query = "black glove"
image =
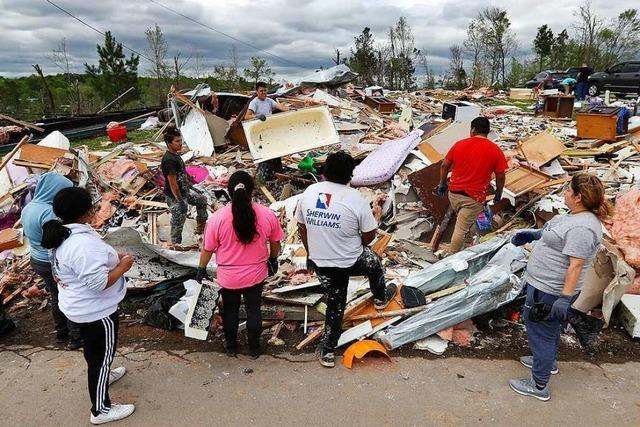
pixel 182 206
pixel 201 273
pixel 560 308
pixel 526 236
pixel 272 266
pixel 441 189
pixel 311 266
pixel 261 117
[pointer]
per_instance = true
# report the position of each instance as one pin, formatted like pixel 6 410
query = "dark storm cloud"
pixel 303 32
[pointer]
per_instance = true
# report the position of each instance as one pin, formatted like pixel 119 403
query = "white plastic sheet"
pixel 491 287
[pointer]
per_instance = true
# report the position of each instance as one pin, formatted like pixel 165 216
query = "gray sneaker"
pixel 328 360
pixel 527 387
pixel 528 362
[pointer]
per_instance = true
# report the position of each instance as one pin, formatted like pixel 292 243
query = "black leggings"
pixel 252 297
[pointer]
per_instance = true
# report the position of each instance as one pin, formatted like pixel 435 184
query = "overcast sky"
pixel 306 33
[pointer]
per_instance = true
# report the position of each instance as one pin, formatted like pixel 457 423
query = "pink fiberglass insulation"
pixel 625 227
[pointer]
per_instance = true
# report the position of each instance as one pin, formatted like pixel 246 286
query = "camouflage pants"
pixel 178 218
pixel 266 170
pixel 334 282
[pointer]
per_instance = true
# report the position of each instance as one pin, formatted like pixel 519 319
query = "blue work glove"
pixel 526 236
pixel 201 273
pixel 182 206
pixel 441 189
pixel 560 308
pixel 272 266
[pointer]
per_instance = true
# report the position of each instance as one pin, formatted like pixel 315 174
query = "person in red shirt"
pixel 471 161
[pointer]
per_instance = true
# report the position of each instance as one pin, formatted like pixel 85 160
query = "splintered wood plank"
pixel 36 154
pixel 521 179
pixel 430 152
pixel 542 148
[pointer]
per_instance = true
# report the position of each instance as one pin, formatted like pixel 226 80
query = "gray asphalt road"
pixel 43 387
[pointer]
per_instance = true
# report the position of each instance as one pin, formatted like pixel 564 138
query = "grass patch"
pixel 96 144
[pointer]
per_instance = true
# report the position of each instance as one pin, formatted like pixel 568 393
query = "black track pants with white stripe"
pixel 100 338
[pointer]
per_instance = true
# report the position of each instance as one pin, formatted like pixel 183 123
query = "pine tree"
pixel 114 73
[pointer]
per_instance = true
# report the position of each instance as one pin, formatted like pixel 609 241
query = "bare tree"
pixel 51 110
pixel 178 67
pixel 157 49
pixel 499 40
pixel 456 66
pixel 587 27
pixel 621 39
pixel 60 58
pixel 198 65
pixel 423 61
pixel 474 46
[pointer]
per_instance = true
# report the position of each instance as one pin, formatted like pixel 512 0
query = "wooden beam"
pixel 18 146
pixel 21 123
pixel 267 194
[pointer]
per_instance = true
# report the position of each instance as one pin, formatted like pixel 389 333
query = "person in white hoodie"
pixel 90 284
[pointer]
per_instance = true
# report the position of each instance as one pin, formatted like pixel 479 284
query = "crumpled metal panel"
pixel 491 287
pixel 457 267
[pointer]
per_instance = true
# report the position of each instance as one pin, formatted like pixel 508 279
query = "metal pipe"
pixel 109 104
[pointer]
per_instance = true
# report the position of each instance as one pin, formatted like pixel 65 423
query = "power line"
pixel 95 29
pixel 226 35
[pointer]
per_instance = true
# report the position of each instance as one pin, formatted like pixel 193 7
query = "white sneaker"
pixel 116 374
pixel 117 412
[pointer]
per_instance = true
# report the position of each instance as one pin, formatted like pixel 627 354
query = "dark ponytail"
pixel 53 234
pixel 69 204
pixel 244 217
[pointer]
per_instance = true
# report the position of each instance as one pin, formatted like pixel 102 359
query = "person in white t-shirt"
pixel 90 280
pixel 336 224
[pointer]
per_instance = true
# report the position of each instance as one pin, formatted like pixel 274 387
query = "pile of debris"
pixel 399 140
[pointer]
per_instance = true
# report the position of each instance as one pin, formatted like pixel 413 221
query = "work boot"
pixel 200 227
pixel 116 373
pixel 117 412
pixel 389 292
pixel 527 387
pixel 528 362
pixel 328 360
pixel 62 337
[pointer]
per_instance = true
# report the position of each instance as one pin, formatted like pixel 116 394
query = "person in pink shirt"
pixel 245 237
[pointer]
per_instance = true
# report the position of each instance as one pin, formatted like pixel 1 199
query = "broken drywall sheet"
pixel 196 134
pixel 606 281
pixel 201 311
pixel 149 267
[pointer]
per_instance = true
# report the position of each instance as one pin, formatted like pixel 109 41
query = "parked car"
pixel 621 78
pixel 552 79
pixel 572 72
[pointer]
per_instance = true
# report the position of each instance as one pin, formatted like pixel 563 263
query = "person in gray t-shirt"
pixel 555 275
pixel 261 105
